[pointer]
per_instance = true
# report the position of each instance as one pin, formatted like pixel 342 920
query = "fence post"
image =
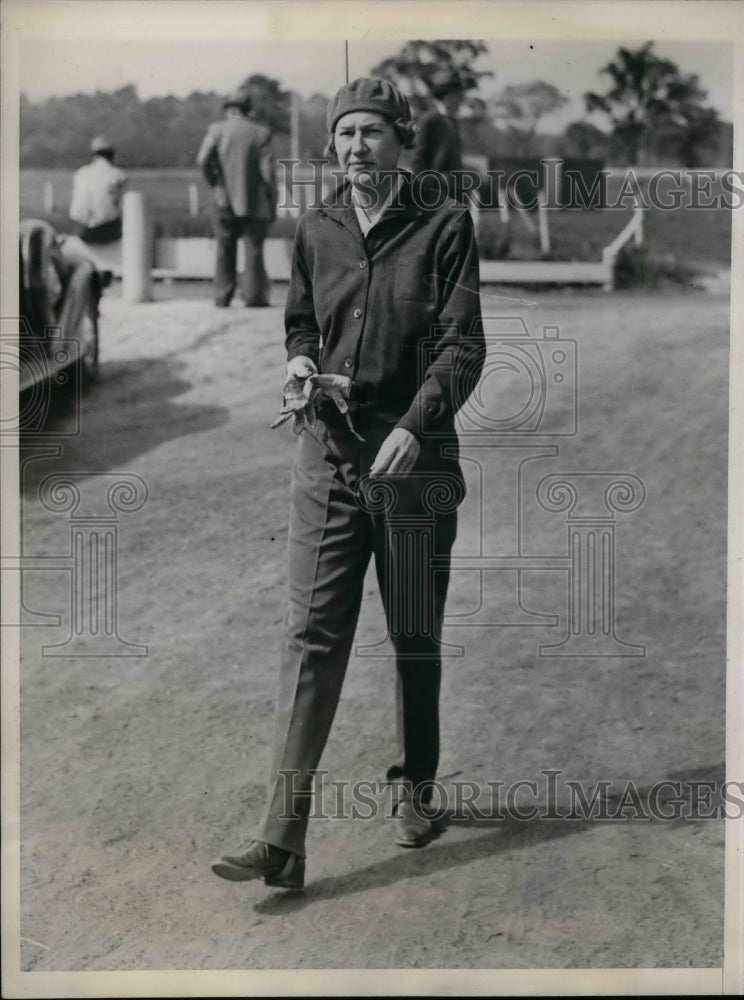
pixel 503 199
pixel 193 199
pixel 294 127
pixel 136 248
pixel 542 221
pixel 640 220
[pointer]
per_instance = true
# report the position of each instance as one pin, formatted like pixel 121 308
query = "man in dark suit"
pixel 439 146
pixel 236 160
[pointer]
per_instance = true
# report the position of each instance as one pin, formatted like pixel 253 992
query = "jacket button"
pixel 362 264
pixel 348 362
pixel 357 313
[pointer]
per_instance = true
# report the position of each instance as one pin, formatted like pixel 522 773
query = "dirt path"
pixel 137 771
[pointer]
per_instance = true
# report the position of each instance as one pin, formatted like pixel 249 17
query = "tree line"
pixel 651 113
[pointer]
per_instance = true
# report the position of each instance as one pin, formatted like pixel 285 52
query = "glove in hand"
pixel 303 395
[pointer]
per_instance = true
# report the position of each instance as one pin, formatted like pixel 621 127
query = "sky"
pixel 157 68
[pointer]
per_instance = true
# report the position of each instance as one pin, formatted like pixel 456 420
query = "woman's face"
pixel 366 143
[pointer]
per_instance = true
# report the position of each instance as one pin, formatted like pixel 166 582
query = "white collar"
pixel 370 217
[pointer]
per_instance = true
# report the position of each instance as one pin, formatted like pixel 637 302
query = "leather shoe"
pixel 414 823
pixel 275 866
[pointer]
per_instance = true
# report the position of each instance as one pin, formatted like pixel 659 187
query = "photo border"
pixel 327 19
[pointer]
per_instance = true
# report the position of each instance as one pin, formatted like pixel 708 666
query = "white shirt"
pixel 96 193
pixel 371 216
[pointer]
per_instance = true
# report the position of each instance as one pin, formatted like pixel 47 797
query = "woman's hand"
pixel 398 454
pixel 301 367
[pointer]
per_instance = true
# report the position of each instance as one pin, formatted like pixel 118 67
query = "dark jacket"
pixel 398 312
pixel 438 146
pixel 236 154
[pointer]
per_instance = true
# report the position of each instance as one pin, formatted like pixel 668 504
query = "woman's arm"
pixel 300 323
pixel 457 357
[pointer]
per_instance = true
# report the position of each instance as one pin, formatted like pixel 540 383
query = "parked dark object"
pixel 59 293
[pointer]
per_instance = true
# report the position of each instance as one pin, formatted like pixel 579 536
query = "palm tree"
pixel 649 97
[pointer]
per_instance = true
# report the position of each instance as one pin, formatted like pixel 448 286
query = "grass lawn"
pixel 167 192
pixel 698 239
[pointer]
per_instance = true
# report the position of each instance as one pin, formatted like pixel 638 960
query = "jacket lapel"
pixel 339 208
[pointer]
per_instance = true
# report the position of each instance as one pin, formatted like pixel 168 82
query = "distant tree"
pixel 650 101
pixel 480 137
pixel 58 131
pixel 476 107
pixel 192 115
pixel 313 126
pixel 696 140
pixel 415 66
pixel 519 107
pixel 269 102
pixel 584 139
pixel 160 132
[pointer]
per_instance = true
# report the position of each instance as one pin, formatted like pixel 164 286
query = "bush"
pixel 178 225
pixel 493 236
pixel 636 267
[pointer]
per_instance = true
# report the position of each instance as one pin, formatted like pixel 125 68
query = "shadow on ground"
pixel 131 410
pixel 507 833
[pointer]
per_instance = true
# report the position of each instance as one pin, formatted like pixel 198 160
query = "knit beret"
pixel 369 94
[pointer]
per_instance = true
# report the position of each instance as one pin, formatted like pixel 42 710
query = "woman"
pixel 384 290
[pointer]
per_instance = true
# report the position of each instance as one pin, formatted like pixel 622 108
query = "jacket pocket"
pixel 414 279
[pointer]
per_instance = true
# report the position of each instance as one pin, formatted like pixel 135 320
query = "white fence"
pixel 138 259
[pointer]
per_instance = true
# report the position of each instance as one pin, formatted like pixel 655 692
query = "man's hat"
pixel 239 98
pixel 445 81
pixel 101 145
pixel 369 94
